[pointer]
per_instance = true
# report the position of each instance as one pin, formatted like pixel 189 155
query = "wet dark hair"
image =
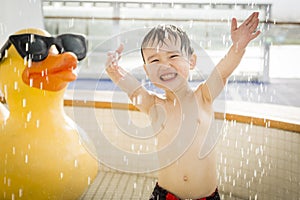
pixel 158 35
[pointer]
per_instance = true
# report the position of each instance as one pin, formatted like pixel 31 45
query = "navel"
pixel 185 178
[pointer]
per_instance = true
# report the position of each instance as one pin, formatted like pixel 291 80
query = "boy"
pixel 168 57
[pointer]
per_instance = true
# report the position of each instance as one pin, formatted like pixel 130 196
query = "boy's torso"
pixel 187 176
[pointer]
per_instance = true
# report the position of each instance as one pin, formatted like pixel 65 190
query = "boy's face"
pixel 166 65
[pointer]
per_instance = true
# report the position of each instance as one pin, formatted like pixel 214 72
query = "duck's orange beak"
pixel 53 73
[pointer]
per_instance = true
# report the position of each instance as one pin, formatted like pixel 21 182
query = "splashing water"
pixel 15 85
pixel 29 115
pixel 24 103
pixel 75 163
pixel 89 180
pixel 20 192
pixel 37 123
pixel 26 159
pixel 61 175
pixel 41 85
pixel 30 82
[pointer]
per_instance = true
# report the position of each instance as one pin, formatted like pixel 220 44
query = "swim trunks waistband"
pixel 162 194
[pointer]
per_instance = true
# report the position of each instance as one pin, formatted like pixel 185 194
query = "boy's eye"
pixel 153 61
pixel 174 56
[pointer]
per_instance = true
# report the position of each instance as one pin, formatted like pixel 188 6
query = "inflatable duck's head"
pixel 31 58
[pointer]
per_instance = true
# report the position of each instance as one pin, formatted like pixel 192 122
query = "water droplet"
pixel 13 150
pixel 139 100
pixel 5 91
pixel 61 175
pixel 15 85
pixel 191 23
pixel 166 34
pixel 134 101
pixel 29 62
pixel 157 48
pixel 24 103
pixel 134 185
pixel 30 82
pixel 20 192
pixel 28 116
pixel 155 141
pixel 75 163
pixel 89 180
pixel 71 22
pixel 37 123
pixel 174 102
pixel 26 158
pixel 124 158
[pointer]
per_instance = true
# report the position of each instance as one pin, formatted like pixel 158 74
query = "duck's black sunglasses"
pixel 36 47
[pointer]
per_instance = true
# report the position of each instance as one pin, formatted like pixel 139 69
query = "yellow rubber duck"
pixel 42 155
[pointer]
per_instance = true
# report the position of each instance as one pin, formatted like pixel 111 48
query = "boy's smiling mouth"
pixel 168 76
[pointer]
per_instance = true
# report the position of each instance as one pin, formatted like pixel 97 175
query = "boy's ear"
pixel 193 61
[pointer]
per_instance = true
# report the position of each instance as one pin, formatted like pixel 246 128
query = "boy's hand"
pixel 246 32
pixel 113 58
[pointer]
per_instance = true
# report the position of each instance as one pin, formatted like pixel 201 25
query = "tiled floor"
pixel 119 185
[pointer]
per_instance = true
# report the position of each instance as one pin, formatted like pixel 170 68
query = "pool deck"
pixel 119 185
pixel 276 91
pixel 277 100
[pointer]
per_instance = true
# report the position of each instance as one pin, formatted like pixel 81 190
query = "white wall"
pixel 19 14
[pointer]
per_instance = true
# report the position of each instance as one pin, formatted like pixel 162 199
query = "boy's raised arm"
pixel 126 81
pixel 240 36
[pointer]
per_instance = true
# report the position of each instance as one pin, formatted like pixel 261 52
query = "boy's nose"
pixel 166 63
pixel 163 66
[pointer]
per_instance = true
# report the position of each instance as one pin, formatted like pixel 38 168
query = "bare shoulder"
pixel 144 100
pixel 202 92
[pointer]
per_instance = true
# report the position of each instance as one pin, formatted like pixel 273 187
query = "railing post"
pixel 266 43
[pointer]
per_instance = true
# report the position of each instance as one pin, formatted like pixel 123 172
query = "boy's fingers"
pixel 253 25
pixel 248 20
pixel 110 53
pixel 114 56
pixel 255 35
pixel 233 24
pixel 118 52
pixel 109 60
pixel 120 48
